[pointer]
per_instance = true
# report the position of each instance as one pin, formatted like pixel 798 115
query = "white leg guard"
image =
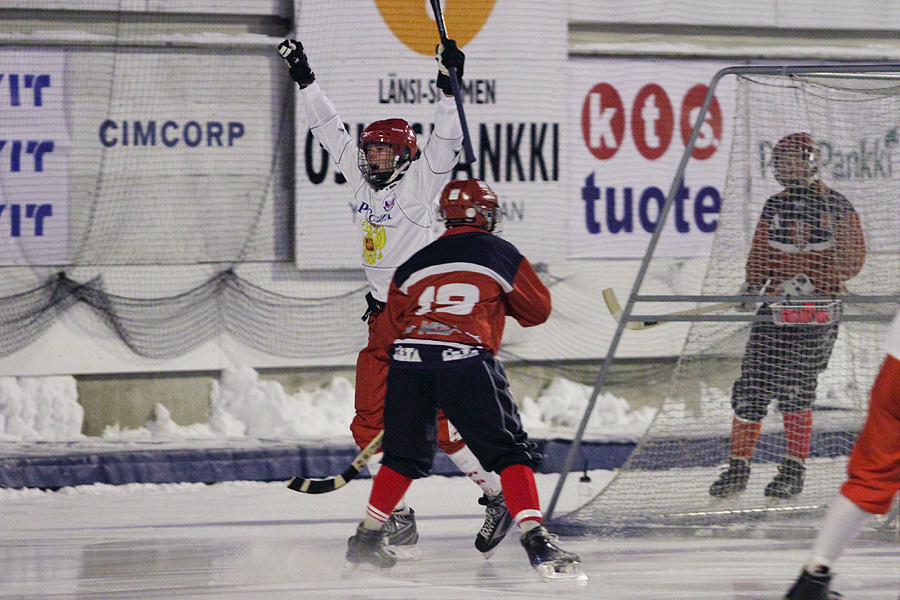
pixel 842 524
pixel 468 463
pixel 375 463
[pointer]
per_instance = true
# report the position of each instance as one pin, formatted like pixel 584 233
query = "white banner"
pixel 35 146
pixel 629 122
pixel 514 96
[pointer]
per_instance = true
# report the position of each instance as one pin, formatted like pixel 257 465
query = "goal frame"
pixel 626 316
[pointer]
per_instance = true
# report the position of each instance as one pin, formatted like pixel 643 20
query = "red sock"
pixel 521 493
pixel 744 435
pixel 798 432
pixel 387 491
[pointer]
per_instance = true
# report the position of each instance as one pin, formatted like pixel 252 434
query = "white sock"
pixel 374 464
pixel 842 524
pixel 468 463
pixel 526 526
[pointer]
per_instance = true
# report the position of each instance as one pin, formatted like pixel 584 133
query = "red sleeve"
pixel 845 260
pixel 529 300
pixel 396 303
pixel 851 246
pixel 757 269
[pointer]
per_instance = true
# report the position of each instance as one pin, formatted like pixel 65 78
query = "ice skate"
pixel 552 562
pixel 497 522
pixel 732 480
pixel 401 534
pixel 789 480
pixel 367 547
pixel 812 586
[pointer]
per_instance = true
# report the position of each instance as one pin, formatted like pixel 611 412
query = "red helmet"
pixel 469 202
pixel 401 138
pixel 795 159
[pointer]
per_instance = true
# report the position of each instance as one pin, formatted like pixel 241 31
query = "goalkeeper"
pixel 808 241
pixel 396 195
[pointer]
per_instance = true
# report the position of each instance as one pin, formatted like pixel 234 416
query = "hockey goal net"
pixel 851 114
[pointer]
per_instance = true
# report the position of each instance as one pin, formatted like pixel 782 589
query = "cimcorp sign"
pixel 412 22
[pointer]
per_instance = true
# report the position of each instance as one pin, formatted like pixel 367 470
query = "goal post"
pixel 743 371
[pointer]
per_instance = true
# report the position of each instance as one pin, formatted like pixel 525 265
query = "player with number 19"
pixel 447 308
pixel 396 186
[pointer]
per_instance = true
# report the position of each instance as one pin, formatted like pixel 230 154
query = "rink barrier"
pixel 49 465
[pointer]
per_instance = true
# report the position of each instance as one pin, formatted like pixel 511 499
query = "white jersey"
pixel 397 220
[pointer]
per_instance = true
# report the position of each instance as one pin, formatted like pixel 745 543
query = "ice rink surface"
pixel 254 541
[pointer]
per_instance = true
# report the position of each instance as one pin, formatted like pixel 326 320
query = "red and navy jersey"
pixel 813 231
pixel 458 291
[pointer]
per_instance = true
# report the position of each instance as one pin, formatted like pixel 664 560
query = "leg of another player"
pixel 873 481
pixel 400 531
pixel 842 524
pixel 749 398
pixel 788 482
pixel 367 545
pixel 372 366
pixel 733 480
pixel 497 520
pixel 551 561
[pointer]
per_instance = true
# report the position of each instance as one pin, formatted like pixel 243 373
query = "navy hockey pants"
pixel 475 397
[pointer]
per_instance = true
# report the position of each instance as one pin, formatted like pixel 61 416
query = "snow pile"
pixel 243 406
pixel 561 406
pixel 39 408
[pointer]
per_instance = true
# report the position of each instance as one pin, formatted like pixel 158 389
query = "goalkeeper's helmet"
pixel 386 149
pixel 469 202
pixel 795 160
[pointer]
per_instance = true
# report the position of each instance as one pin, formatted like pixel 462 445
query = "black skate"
pixel 367 546
pixel 497 522
pixel 732 480
pixel 812 586
pixel 552 562
pixel 789 480
pixel 401 535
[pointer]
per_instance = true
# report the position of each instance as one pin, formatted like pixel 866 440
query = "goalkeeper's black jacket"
pixel 810 230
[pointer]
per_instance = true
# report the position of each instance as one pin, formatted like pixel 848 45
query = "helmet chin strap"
pixel 397 174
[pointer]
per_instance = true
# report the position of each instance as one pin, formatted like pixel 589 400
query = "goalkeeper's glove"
pixel 447 56
pixel 292 52
pixel 798 285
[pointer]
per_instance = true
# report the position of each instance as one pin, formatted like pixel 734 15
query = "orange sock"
pixel 744 435
pixel 798 432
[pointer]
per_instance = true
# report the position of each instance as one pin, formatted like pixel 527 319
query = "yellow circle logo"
pixel 413 24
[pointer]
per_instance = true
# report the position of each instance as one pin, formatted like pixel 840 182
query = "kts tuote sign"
pixel 635 121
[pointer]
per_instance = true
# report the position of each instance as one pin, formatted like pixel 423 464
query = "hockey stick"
pixel 454 83
pixel 613 305
pixel 323 486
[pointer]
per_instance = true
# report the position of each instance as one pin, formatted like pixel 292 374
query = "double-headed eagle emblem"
pixel 374 238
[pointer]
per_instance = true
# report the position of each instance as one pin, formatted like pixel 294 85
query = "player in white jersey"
pixel 396 187
pixel 873 479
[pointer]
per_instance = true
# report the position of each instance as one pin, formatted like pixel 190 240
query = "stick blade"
pixel 612 303
pixel 609 296
pixel 322 486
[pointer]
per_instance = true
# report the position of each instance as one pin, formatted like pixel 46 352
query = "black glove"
pixel 447 56
pixel 292 52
